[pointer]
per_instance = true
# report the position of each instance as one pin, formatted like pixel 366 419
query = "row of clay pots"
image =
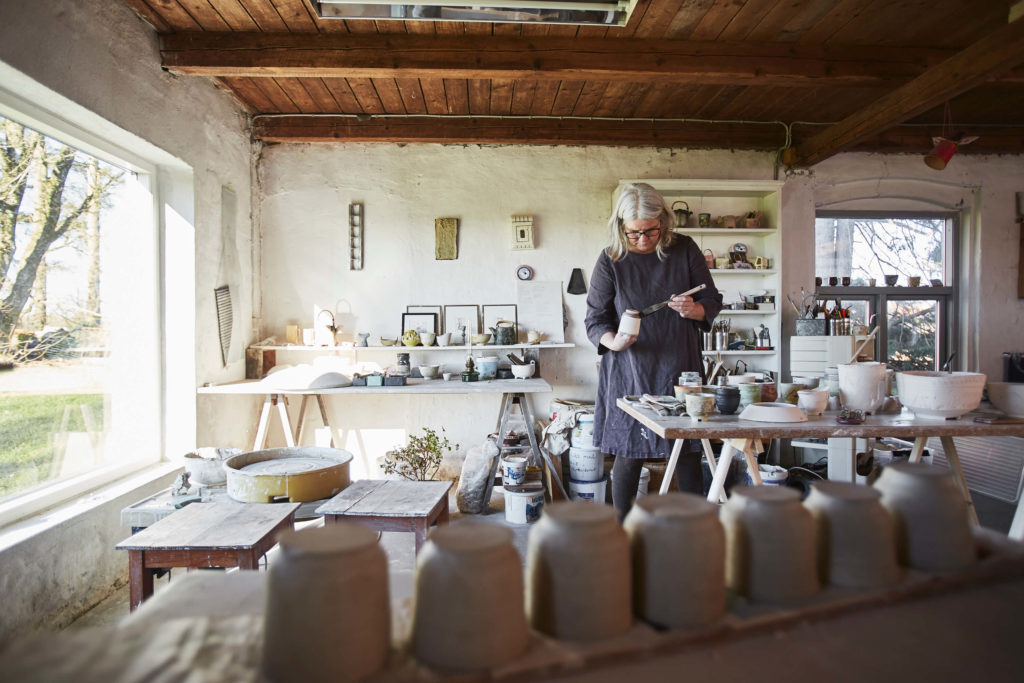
pixel 586 576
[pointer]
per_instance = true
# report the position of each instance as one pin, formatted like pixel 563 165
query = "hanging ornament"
pixel 945 145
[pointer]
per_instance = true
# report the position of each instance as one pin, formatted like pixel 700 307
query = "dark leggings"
pixel 626 479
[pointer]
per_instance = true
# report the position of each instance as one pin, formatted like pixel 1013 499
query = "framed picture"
pixel 421 322
pixel 506 312
pixel 436 310
pixel 458 316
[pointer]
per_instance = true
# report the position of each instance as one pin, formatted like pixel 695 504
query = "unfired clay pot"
pixel 932 529
pixel 328 616
pixel 678 551
pixel 469 612
pixel 578 573
pixel 770 550
pixel 856 535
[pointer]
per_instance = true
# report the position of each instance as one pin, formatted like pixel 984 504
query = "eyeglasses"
pixel 634 235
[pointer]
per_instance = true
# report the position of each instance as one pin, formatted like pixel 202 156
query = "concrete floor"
pixel 399 546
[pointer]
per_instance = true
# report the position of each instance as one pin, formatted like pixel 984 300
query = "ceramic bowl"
pixel 427 338
pixel 940 394
pixel 429 371
pixel 812 401
pixel 773 412
pixel 482 338
pixel 523 371
pixel 1007 397
pixel 387 341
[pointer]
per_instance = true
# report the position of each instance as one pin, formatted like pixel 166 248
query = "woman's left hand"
pixel 686 307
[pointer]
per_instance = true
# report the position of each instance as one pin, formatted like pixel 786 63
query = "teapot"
pixel 682 215
pixel 504 333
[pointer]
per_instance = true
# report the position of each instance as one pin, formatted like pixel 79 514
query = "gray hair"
pixel 638 201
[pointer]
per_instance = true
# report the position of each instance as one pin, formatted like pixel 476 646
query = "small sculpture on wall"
pixel 446 239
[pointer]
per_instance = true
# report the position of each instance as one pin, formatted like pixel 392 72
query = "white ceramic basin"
pixel 1007 397
pixel 940 394
pixel 773 412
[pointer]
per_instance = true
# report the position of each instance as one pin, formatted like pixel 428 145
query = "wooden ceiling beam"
pixel 540 58
pixel 988 58
pixel 517 130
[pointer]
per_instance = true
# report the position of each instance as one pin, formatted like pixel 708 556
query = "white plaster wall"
pixel 305 193
pixel 101 56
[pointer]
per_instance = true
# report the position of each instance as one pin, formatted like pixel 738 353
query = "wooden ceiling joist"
pixel 390 55
pixel 517 130
pixel 988 58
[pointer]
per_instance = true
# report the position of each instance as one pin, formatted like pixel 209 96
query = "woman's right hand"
pixel 619 341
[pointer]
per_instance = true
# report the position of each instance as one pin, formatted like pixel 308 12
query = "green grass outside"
pixel 28 425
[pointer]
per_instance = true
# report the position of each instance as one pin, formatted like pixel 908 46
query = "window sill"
pixel 36 512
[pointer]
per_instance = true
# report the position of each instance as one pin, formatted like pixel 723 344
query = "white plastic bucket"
pixel 586 464
pixel 587 491
pixel 583 433
pixel 523 507
pixel 772 475
pixel 645 481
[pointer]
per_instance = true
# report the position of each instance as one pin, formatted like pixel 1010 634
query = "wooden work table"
pixel 743 435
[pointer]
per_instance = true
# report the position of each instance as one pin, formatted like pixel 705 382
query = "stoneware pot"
pixel 788 392
pixel 856 535
pixel 327 615
pixel 578 573
pixel 769 392
pixel 469 613
pixel 700 405
pixel 770 545
pixel 933 533
pixel 750 393
pixel 727 400
pixel 812 401
pixel 862 386
pixel 678 552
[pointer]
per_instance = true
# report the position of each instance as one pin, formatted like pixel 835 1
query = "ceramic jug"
pixel 504 332
pixel 682 215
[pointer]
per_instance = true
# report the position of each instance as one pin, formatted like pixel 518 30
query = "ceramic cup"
pixel 532 337
pixel 914 281
pixel 443 339
pixel 727 399
pixel 749 393
pixel 769 392
pixel 872 282
pixel 513 471
pixel 812 401
pixel 447 376
pixel 770 546
pixel 862 385
pixel 788 392
pixel 856 535
pixel 327 581
pixel 704 220
pixel 469 613
pixel 699 405
pixel 678 554
pixel 933 533
pixel 891 280
pixel 578 573
pixel 427 338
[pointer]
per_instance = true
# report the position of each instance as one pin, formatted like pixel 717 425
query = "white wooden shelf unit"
pixel 737 198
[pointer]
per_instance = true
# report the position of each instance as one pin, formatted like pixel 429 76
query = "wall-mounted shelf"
pixel 726 231
pixel 729 311
pixel 764 272
pixel 739 353
pixel 402 347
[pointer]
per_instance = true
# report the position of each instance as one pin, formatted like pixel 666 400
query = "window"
pixel 80 388
pixel 898 271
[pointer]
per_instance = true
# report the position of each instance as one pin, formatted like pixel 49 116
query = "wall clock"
pixel 524 273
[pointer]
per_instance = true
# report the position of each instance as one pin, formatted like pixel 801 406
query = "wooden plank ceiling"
pixel 817 76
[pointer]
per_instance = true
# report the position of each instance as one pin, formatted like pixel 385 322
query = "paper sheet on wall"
pixel 539 305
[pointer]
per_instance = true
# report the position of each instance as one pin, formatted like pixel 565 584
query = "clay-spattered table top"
pixel 413 386
pixel 825 426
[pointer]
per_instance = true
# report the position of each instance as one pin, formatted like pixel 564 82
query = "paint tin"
pixel 585 464
pixel 583 432
pixel 587 491
pixel 488 367
pixel 513 471
pixel 523 507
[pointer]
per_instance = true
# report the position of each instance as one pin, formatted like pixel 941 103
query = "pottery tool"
pixel 864 343
pixel 654 308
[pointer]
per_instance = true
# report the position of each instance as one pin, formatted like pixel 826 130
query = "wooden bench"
pixel 387 505
pixel 204 535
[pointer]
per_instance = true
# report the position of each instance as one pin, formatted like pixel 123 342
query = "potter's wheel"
pixel 298 474
pixel 292 465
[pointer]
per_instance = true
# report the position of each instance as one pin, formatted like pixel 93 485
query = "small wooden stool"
pixel 387 505
pixel 204 535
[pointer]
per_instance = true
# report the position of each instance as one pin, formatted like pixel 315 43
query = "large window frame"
pixel 947 323
pixel 170 182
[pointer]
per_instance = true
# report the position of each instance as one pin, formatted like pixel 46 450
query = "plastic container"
pixel 583 433
pixel 588 491
pixel 523 507
pixel 586 464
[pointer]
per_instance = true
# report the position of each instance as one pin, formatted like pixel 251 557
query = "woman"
pixel 646 263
